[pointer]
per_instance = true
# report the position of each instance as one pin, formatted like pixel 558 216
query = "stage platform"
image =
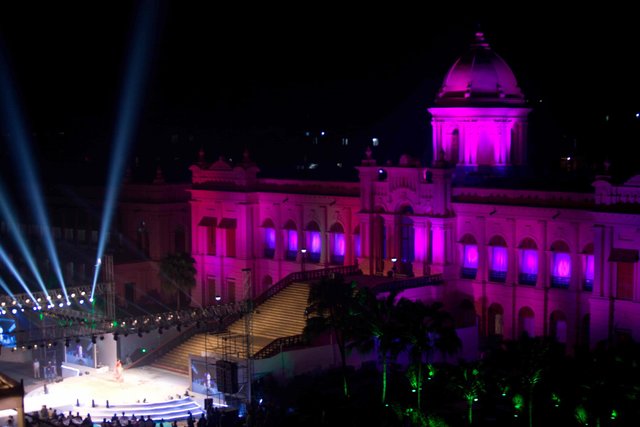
pixel 143 391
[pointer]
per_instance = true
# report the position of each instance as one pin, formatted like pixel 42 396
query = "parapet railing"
pixel 299 276
pixel 279 345
pixel 412 282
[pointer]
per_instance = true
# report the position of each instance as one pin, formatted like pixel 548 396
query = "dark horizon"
pixel 225 81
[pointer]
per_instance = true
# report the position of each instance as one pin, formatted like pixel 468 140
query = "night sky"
pixel 228 78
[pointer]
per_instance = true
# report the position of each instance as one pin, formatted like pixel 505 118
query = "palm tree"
pixel 427 328
pixel 378 327
pixel 178 275
pixel 527 361
pixel 470 382
pixel 332 307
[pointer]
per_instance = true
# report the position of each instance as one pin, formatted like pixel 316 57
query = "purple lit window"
pixel 269 242
pixel 292 240
pixel 561 270
pixel 562 264
pixel 498 269
pixel 338 244
pixel 529 263
pixel 292 245
pixel 588 272
pixel 469 262
pixel 338 250
pixel 315 245
pixel 529 267
pixel 470 256
pixel 499 258
pixel 356 245
pixel 270 238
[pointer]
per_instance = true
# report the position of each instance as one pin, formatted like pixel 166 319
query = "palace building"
pixel 511 258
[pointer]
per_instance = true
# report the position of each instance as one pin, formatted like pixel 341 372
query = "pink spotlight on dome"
pixel 480 76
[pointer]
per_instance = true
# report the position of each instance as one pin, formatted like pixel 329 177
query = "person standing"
pixel 118 371
pixel 36 368
pixel 49 372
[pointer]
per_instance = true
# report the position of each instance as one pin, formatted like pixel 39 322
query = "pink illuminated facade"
pixel 513 260
pixel 546 263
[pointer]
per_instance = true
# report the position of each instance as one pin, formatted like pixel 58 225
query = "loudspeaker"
pixel 208 403
pixel 227 376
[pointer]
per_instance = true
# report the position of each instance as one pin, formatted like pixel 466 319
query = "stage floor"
pixel 152 384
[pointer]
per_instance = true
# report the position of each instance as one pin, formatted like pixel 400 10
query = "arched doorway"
pixel 495 320
pixel 379 244
pixel 407 242
pixel 558 326
pixel 526 325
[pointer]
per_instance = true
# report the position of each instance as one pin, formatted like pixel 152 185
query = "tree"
pixel 426 328
pixel 378 327
pixel 524 364
pixel 178 275
pixel 469 380
pixel 332 307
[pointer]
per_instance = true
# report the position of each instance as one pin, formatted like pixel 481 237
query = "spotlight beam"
pixel 4 286
pixel 14 271
pixel 9 215
pixel 128 111
pixel 21 152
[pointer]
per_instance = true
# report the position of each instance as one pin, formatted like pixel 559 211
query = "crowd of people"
pixel 47 417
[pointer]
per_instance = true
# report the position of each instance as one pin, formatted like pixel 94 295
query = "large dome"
pixel 480 77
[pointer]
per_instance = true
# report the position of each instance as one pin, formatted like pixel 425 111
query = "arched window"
pixel 496 320
pixel 455 147
pixel 337 244
pixel 407 241
pixel 526 325
pixel 379 243
pixel 269 238
pixel 313 241
pixel 587 268
pixel 560 265
pixel 558 326
pixel 498 259
pixel 469 257
pixel 291 240
pixel 468 316
pixel 528 274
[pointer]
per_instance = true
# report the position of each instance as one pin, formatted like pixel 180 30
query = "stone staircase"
pixel 281 315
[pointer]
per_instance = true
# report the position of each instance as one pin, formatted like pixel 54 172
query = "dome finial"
pixel 480 40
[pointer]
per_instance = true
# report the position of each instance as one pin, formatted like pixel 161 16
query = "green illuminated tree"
pixel 470 383
pixel 178 275
pixel 527 361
